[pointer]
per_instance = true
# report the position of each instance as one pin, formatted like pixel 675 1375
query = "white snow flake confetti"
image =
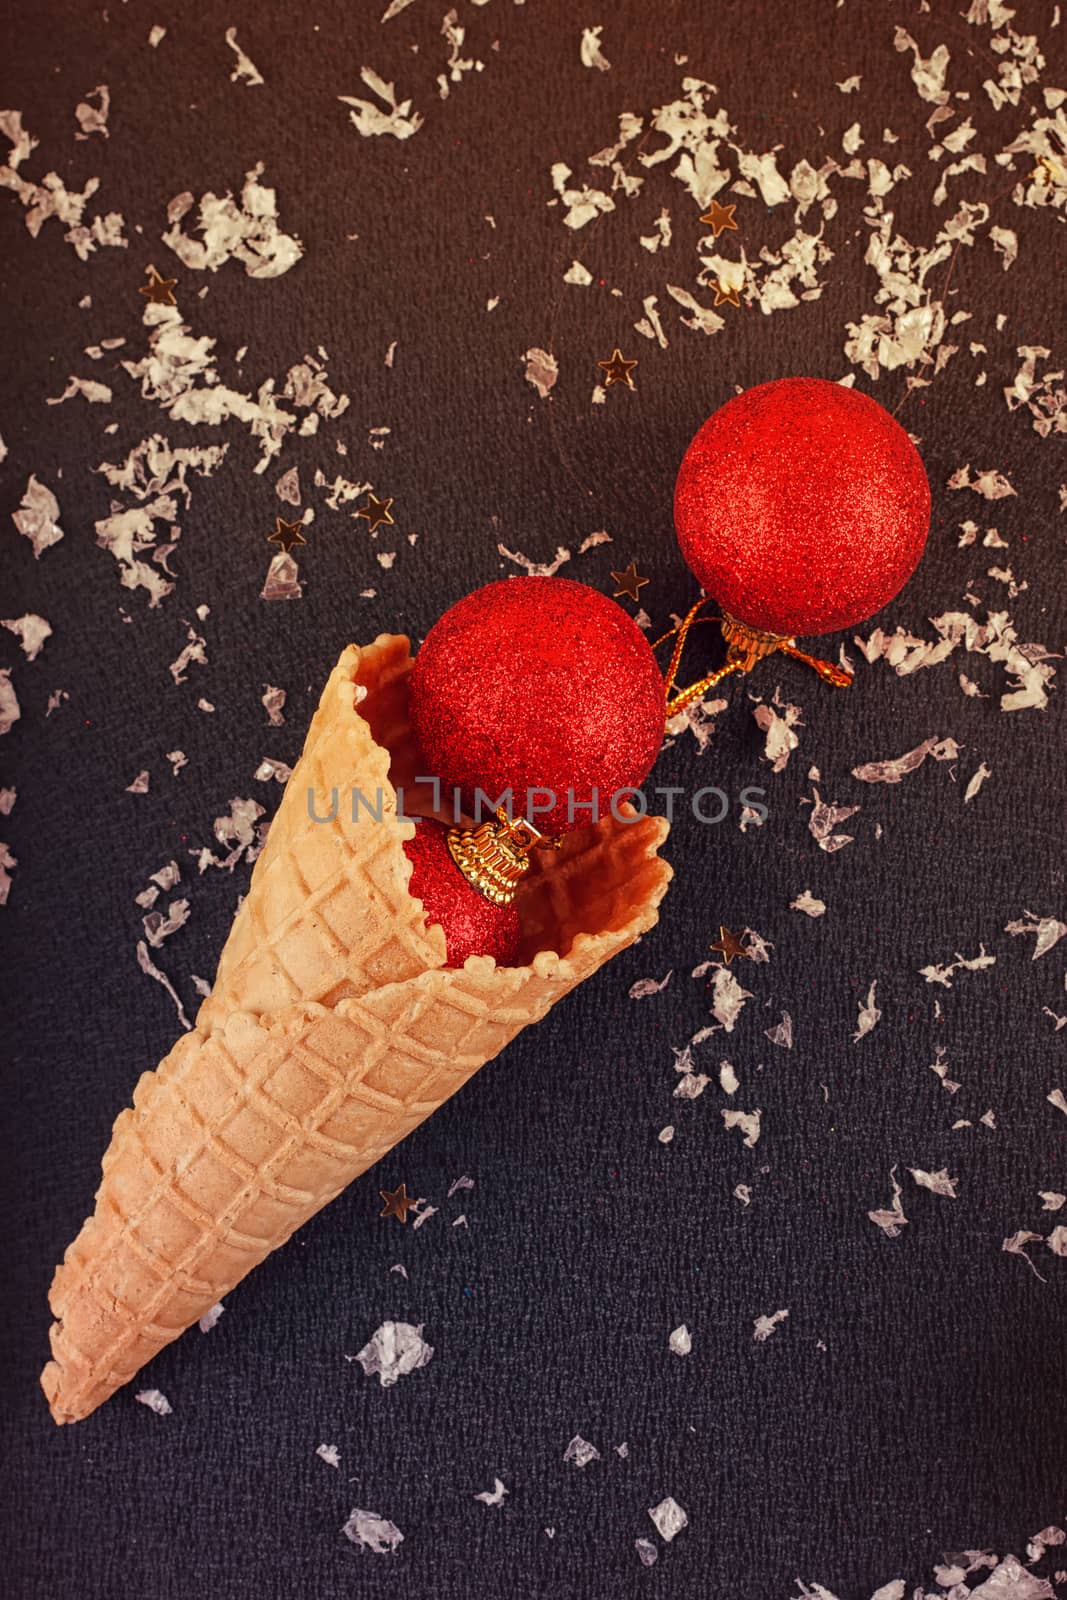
pixel 88 388
pixel 681 1340
pixel 669 1518
pixel 155 1401
pixel 139 784
pixel 1056 1098
pixel 580 1452
pixel 943 975
pixel 648 986
pixel 807 902
pixel 892 1218
pixel 273 702
pixel 1057 1241
pixel 93 119
pixel 1049 931
pixel 893 771
pixel 782 1032
pixel 247 232
pixel 51 198
pixel 370 1531
pixel 748 1122
pixel 824 819
pixel 7 863
pixel 31 631
pixel 765 1326
pixel 194 652
pixel 728 998
pixel 536 569
pixel 976 782
pixel 591 53
pixel 780 741
pixel 398 120
pixel 394 1350
pixel 38 517
pixel 1016 1246
pixel 869 1015
pixel 1052 1199
pixel 210 1318
pixel 144 961
pixel 282 581
pixel 328 1453
pixel 542 370
pixel 245 71
pixel 936 1182
pixel 646 1551
pixel 493 1496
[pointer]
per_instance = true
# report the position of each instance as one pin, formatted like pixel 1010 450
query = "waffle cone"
pixel 333 1029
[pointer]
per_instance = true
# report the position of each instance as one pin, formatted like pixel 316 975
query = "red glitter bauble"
pixel 802 506
pixel 473 925
pixel 538 683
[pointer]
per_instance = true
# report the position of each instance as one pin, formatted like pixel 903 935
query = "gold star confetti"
pixel 729 945
pixel 376 512
pixel 287 534
pixel 726 291
pixel 397 1203
pixel 629 582
pixel 158 291
pixel 719 218
pixel 618 370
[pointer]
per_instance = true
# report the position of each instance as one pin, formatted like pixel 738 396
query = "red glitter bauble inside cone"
pixel 538 683
pixel 802 507
pixel 473 925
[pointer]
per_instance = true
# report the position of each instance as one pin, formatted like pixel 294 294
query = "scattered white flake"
pixel 52 199
pixel 850 85
pixel 748 1122
pixel 1051 1199
pixel 542 370
pixel 646 1551
pixel 936 1182
pixel 666 1134
pixel 591 53
pixel 928 76
pixel 461 1183
pixel 578 274
pixel 536 569
pixel 93 119
pixel 144 961
pixel 399 1267
pixel 1057 1241
pixel 370 1531
pixel 781 741
pixel 581 1452
pixel 38 517
pixel 156 36
pixel 287 487
pixel 88 388
pixel 728 997
pixel 976 782
pixel 1045 398
pixel 7 801
pixel 247 232
pixel 1048 929
pixel 622 1450
pixel 893 771
pixel 194 651
pixel 155 1401
pixel 210 1318
pixel 55 700
pixel 269 768
pixel 646 986
pixel 139 784
pixel 806 902
pixel 245 70
pixel 158 927
pixel 940 1067
pixel 582 204
pixel 394 1350
pixel 892 1219
pixel 869 1015
pixel 7 863
pixel 493 1496
pixel 669 1518
pixel 782 1032
pixel 943 975
pixel 31 630
pixel 824 818
pixel 650 326
pixel 851 139
pixel 990 484
pixel 273 700
pixel 1016 1246
pixel 1056 1098
pixel 894 1590
pixel 154 475
pixel 765 1326
pixel 681 1340
pixel 743 1193
pixel 398 120
pixel 728 1079
pixel 282 581
pixel 657 241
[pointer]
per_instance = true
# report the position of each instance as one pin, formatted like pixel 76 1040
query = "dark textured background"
pixel 915 1402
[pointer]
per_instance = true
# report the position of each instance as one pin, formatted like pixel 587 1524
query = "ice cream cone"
pixel 333 1029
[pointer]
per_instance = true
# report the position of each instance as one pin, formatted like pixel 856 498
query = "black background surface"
pixel 915 1401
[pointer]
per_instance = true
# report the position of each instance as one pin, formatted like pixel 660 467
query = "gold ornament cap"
pixel 494 856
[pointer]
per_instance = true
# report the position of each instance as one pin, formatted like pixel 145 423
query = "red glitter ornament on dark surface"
pixel 472 924
pixel 802 507
pixel 538 684
pixel 539 699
